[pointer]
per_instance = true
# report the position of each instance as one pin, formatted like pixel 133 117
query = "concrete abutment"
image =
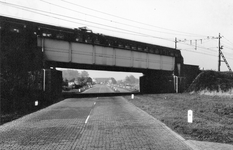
pixel 157 82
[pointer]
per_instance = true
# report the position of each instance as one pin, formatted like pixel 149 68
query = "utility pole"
pixel 175 43
pixel 221 56
pixel 219 52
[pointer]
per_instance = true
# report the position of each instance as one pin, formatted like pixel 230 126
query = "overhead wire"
pixel 209 54
pixel 228 40
pixel 87 21
pixel 65 20
pixel 205 53
pixel 129 19
pixel 112 21
pixel 78 22
pixel 36 11
pixel 209 49
pixel 231 48
pixel 224 43
pixel 199 52
pixel 227 46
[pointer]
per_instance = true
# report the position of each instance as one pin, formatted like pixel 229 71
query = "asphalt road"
pixel 99 88
pixel 103 123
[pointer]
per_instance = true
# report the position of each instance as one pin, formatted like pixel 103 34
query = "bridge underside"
pixel 79 53
pixel 157 69
pixel 152 81
pixel 54 64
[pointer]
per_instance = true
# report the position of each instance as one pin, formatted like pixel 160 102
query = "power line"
pixel 112 21
pixel 33 10
pixel 36 11
pixel 84 20
pixel 78 22
pixel 230 46
pixel 199 53
pixel 202 52
pixel 195 46
pixel 64 20
pixel 209 49
pixel 228 40
pixel 201 47
pixel 128 19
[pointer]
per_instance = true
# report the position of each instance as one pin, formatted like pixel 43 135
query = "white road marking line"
pixel 87 119
pixel 89 113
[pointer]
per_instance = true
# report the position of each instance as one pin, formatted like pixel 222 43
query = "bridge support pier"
pixel 52 85
pixel 156 82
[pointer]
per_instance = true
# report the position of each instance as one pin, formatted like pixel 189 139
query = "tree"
pixel 113 81
pixel 131 79
pixel 72 80
pixel 82 80
pixel 120 82
pixel 65 82
pixel 84 74
pixel 70 74
pixel 89 79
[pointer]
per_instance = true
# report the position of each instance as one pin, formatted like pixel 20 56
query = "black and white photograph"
pixel 116 75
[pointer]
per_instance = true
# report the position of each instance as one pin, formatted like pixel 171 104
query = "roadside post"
pixel 36 103
pixel 132 96
pixel 190 116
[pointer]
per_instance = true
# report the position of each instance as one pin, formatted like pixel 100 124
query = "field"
pixel 212 115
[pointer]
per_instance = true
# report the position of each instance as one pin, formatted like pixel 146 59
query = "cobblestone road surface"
pixel 104 123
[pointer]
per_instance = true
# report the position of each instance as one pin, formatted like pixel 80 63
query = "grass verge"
pixel 4 118
pixel 213 115
pixel 219 93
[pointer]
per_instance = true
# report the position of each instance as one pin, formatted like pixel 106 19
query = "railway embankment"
pixel 213 83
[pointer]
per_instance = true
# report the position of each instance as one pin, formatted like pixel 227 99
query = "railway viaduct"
pixel 162 67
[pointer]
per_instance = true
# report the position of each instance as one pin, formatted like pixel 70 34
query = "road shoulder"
pixel 195 145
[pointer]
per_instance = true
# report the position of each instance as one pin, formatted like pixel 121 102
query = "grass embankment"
pixel 213 116
pixel 213 83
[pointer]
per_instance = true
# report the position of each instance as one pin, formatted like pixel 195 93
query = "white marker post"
pixel 190 116
pixel 132 96
pixel 36 103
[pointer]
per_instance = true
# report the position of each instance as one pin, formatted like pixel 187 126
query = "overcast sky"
pixel 152 21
